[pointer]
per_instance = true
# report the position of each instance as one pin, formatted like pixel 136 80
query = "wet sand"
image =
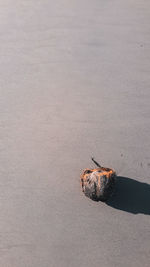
pixel 74 83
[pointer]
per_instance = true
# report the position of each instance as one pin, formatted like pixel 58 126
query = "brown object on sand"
pixel 98 184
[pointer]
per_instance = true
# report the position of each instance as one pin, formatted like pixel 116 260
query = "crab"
pixel 98 184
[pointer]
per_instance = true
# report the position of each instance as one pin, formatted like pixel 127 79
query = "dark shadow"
pixel 131 196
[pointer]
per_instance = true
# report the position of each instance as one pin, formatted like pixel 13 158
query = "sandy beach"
pixel 74 83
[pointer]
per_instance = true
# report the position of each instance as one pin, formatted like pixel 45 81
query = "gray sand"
pixel 74 83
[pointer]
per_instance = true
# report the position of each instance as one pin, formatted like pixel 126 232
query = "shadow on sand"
pixel 131 196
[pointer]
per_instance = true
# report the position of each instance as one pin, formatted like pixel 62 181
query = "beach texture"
pixel 74 83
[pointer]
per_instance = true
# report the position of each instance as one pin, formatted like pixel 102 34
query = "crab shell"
pixel 98 184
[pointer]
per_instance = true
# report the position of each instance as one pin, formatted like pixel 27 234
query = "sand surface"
pixel 74 83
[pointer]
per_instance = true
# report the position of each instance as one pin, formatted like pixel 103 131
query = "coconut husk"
pixel 98 184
